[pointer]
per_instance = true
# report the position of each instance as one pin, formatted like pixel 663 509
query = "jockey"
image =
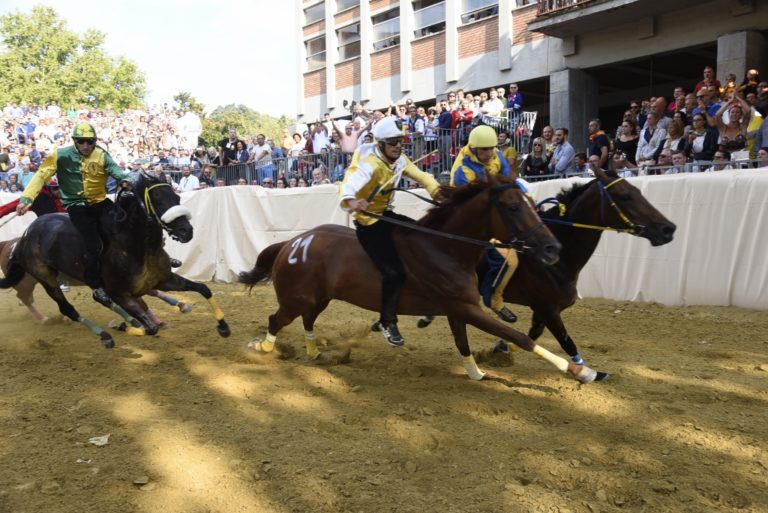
pixel 375 169
pixel 476 161
pixel 82 171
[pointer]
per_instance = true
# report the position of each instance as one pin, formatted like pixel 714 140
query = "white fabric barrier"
pixel 716 258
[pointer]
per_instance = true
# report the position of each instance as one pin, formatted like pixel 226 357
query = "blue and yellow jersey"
pixel 368 172
pixel 467 169
pixel 82 180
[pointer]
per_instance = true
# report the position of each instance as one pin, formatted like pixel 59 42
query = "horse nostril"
pixel 552 249
pixel 669 229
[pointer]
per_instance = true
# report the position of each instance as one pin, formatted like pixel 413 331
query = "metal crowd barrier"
pixel 699 167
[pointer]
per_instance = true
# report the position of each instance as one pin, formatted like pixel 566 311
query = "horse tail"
pixel 263 269
pixel 14 275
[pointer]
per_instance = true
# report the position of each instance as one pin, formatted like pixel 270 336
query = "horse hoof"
pixel 223 329
pixel 152 331
pixel 601 376
pixel 184 307
pixel 106 340
pixel 586 375
pixel 425 321
pixel 376 326
pixel 500 347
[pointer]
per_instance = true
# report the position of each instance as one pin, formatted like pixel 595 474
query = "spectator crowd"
pixel 717 125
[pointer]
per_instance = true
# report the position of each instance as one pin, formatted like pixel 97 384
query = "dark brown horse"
pixel 328 263
pixel 578 220
pixel 133 262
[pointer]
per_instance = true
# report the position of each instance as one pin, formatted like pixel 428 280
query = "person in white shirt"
pixel 493 105
pixel 188 182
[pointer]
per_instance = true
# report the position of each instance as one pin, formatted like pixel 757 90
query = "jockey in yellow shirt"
pixel 375 170
pixel 476 161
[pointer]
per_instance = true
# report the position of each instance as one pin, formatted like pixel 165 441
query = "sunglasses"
pixel 393 141
pixel 634 106
pixel 539 145
pixel 89 141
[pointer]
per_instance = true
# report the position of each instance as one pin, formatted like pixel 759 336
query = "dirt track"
pixel 681 427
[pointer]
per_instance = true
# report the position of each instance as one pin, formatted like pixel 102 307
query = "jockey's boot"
pixel 505 314
pixel 175 263
pixel 392 334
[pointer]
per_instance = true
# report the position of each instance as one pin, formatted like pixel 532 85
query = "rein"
pixel 632 228
pixel 477 242
pixel 518 244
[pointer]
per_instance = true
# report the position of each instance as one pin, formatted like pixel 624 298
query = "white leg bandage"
pixel 471 367
pixel 560 363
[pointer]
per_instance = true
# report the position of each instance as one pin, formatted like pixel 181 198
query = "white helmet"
pixel 387 128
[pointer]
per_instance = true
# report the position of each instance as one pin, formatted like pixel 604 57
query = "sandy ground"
pixel 197 423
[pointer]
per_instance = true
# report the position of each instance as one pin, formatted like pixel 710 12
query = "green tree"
pixel 42 60
pixel 246 121
pixel 186 102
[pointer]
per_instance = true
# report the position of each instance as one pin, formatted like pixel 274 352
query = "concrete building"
pixel 573 59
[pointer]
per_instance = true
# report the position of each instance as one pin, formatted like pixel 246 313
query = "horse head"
pixel 163 204
pixel 516 218
pixel 630 211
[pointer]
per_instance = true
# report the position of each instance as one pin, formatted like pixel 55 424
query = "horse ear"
pixel 602 175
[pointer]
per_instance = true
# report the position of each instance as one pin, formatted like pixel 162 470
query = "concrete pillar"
pixel 573 101
pixel 301 61
pixel 452 18
pixel 505 35
pixel 331 57
pixel 406 36
pixel 739 51
pixel 366 47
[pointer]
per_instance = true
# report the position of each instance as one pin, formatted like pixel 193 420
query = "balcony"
pixel 565 18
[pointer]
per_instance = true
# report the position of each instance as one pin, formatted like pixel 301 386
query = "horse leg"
pixel 180 284
pixel 24 291
pixel 459 331
pixel 537 328
pixel 66 309
pixel 475 316
pixel 309 326
pixel 181 305
pixel 138 325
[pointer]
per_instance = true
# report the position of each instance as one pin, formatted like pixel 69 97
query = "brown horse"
pixel 328 263
pixel 582 213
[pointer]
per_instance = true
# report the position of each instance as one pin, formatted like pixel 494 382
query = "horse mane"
pixel 438 215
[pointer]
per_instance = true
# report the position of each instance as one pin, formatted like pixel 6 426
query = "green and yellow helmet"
pixel 83 130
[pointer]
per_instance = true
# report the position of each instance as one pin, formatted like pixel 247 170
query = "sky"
pixel 220 51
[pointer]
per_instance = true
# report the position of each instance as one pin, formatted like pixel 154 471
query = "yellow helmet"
pixel 483 136
pixel 83 130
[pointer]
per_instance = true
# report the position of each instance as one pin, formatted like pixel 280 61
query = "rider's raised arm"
pixel 426 180
pixel 43 175
pixel 111 167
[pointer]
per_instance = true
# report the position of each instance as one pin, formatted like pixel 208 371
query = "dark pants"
pixel 376 240
pixel 495 262
pixel 88 221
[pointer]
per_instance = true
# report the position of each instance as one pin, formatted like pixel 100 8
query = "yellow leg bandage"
pixel 505 274
pixel 471 367
pixel 136 332
pixel 309 339
pixel 217 312
pixel 555 360
pixel 267 345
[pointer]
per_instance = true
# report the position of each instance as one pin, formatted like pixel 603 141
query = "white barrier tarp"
pixel 716 258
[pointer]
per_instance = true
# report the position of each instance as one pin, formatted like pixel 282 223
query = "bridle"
pixel 170 215
pixel 605 196
pixel 506 218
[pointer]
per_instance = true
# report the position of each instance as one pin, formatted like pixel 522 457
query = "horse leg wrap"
pixel 136 331
pixel 560 363
pixel 267 345
pixel 586 375
pixel 217 312
pixel 168 299
pixel 91 326
pixel 309 339
pixel 471 367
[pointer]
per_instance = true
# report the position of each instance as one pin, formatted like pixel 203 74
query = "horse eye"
pixel 514 207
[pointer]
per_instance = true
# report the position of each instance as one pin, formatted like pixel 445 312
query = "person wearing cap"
pixel 82 170
pixel 367 187
pixel 476 161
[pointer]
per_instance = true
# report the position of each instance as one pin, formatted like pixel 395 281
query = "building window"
pixel 315 53
pixel 349 41
pixel 345 4
pixel 314 13
pixel 386 29
pixel 473 10
pixel 429 17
